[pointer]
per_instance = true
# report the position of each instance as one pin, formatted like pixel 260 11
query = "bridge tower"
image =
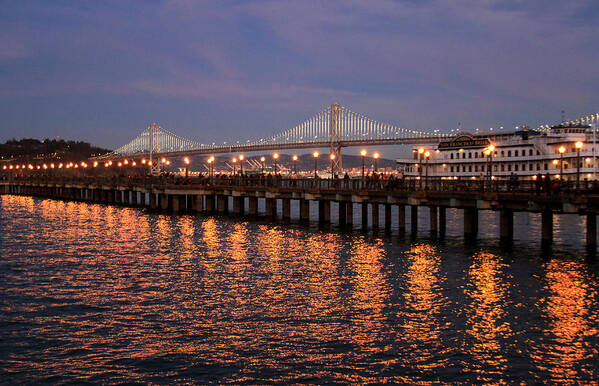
pixel 335 128
pixel 154 148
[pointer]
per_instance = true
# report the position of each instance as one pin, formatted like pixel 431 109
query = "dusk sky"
pixel 102 71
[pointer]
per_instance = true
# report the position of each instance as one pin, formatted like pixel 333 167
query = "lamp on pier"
pixel 332 158
pixel 363 153
pixel 294 158
pixel 186 161
pixel 234 160
pixel 376 159
pixel 263 161
pixel 578 145
pixel 561 150
pixel 315 155
pixel 275 157
pixel 241 158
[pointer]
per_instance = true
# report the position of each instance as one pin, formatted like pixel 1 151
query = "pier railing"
pixel 545 185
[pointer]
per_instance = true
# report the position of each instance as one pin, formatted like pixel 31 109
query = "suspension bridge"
pixel 335 127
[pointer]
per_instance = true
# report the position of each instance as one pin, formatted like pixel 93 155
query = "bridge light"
pixel 143 161
pixel 126 162
pixel 60 165
pixel 37 167
pixel 45 166
pixel 150 163
pixel 262 159
pixel 168 162
pixel 4 167
pixel 363 152
pixel 106 164
pixel 95 164
pixel 120 164
pixel 17 166
pixel 109 163
pixel 51 166
pixel 10 167
pixel 186 160
pixel 133 163
pixel 562 149
pixel 275 156
pixel 315 154
pixel 579 144
pixel 332 156
pixel 163 160
pixel 241 157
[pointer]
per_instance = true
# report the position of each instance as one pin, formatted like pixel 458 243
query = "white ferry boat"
pixel 524 153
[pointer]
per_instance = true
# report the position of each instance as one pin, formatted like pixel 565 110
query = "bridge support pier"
pixel 470 223
pixel 324 211
pixel 364 215
pixel 286 208
pixel 401 218
pixel 433 219
pixel 197 203
pixel 118 196
pixel 591 230
pixel 546 228
pixel 164 201
pixel 342 213
pixel 349 220
pixel 375 215
pixel 387 217
pixel 271 207
pixel 222 203
pixel 506 225
pixel 126 197
pixel 238 208
pixel 442 221
pixel 176 203
pixel 304 209
pixel 210 203
pixel 134 200
pixel 253 205
pixel 414 220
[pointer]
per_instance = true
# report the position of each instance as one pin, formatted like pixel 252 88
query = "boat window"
pixel 509 153
pixel 516 167
pixel 451 155
pixel 516 153
pixel 530 152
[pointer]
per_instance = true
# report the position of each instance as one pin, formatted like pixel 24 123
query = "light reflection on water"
pixel 106 294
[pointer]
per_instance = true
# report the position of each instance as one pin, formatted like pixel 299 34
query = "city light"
pixel 275 156
pixel 561 149
pixel 294 157
pixel 421 150
pixel 332 157
pixel 377 155
pixel 315 154
pixel 186 160
pixel 579 144
pixel 363 152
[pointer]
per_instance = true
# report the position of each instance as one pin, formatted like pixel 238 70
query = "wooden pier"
pixel 213 196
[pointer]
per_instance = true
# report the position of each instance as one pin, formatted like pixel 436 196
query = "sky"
pixel 215 71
